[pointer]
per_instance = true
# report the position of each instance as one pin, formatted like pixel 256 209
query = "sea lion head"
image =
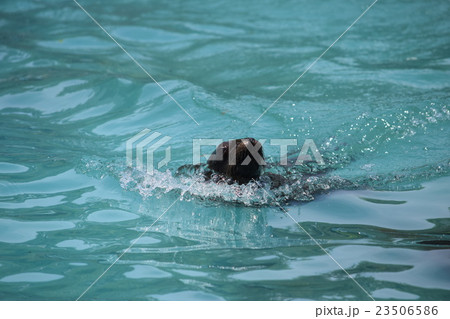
pixel 241 159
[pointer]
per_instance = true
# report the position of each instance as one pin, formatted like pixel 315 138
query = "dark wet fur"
pixel 240 172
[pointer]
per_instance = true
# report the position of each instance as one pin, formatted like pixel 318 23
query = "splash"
pixel 295 184
pixel 268 190
pixel 192 187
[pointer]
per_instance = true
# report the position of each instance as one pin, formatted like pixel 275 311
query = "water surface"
pixel 376 105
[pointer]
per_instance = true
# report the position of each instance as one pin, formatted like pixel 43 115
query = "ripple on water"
pixel 66 181
pixel 86 43
pixel 111 216
pixel 35 202
pixel 376 208
pixel 186 295
pixel 76 244
pixel 191 273
pixel 78 264
pixel 50 99
pixel 31 277
pixel 388 293
pixel 151 35
pixel 419 268
pixel 144 271
pixel 146 240
pixel 92 112
pixel 10 168
pixel 304 267
pixel 13 231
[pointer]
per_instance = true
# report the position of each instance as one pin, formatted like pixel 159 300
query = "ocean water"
pixel 376 105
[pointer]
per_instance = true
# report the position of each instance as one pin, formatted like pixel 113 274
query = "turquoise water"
pixel 376 105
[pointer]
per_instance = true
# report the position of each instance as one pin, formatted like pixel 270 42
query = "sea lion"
pixel 238 160
pixel 241 162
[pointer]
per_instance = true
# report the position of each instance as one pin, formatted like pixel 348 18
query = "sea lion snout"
pixel 241 159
